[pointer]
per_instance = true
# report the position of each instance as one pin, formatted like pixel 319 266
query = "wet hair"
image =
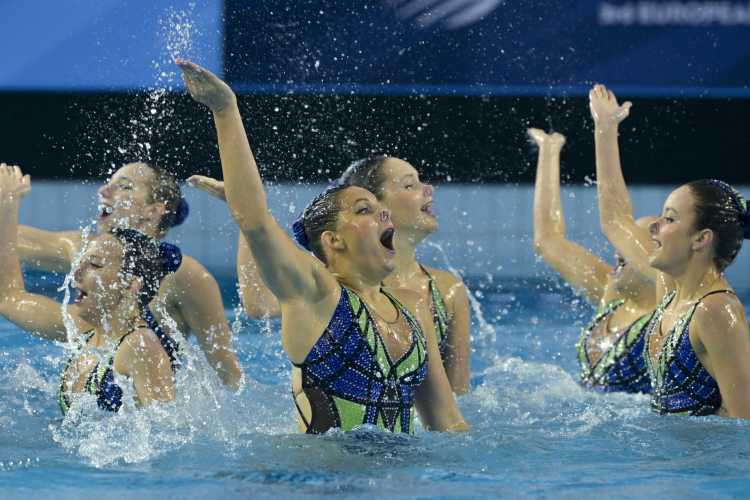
pixel 366 173
pixel 143 258
pixel 319 216
pixel 164 189
pixel 720 208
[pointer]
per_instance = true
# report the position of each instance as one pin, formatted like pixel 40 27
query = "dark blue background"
pixel 522 48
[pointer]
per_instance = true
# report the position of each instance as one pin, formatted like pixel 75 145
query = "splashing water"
pixel 487 331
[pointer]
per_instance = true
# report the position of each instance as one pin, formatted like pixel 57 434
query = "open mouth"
pixel 658 245
pixel 427 209
pixel 386 239
pixel 105 210
pixel 81 296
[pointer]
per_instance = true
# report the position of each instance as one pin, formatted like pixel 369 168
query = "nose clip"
pixel 78 274
pixel 653 227
pixel 427 189
pixel 384 215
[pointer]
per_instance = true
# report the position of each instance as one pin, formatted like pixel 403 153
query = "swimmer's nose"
pixel 105 191
pixel 385 215
pixel 653 228
pixel 428 190
pixel 78 274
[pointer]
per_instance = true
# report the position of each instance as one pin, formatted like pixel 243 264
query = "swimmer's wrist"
pixel 226 109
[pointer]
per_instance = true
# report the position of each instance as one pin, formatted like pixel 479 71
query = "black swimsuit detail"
pixel 680 384
pixel 100 381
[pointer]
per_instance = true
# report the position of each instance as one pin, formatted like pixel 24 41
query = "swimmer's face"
pixel 98 280
pixel 624 276
pixel 673 233
pixel 365 232
pixel 126 200
pixel 409 199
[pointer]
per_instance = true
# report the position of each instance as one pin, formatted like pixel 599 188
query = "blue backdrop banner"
pixel 488 47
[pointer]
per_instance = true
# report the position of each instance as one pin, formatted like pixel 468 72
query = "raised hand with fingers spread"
pixel 604 108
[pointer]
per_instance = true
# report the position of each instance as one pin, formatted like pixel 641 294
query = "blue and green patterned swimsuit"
pixel 349 378
pixel 622 368
pixel 101 379
pixel 439 314
pixel 680 384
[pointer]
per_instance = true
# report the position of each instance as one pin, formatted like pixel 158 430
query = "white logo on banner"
pixel 674 14
pixel 453 14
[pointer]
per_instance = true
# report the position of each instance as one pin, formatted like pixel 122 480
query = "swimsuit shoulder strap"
pixel 695 306
pixel 425 271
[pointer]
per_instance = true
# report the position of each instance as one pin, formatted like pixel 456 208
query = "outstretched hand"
pixel 205 87
pixel 209 185
pixel 13 184
pixel 604 107
pixel 554 141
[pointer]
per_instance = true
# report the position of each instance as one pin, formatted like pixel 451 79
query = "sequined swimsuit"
pixel 439 314
pixel 100 381
pixel 680 384
pixel 349 378
pixel 621 368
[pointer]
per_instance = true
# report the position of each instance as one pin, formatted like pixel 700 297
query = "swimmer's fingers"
pixel 537 135
pixel 209 185
pixel 545 140
pixel 13 184
pixel 205 87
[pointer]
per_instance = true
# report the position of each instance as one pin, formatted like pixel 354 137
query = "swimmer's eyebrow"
pixel 363 199
pixel 123 178
pixel 667 209
pixel 407 175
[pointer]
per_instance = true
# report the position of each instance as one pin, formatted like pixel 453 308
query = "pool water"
pixel 535 431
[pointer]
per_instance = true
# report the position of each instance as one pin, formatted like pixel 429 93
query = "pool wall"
pixel 485 229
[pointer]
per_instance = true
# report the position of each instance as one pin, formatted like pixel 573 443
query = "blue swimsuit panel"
pixel 680 384
pixel 622 367
pixel 349 378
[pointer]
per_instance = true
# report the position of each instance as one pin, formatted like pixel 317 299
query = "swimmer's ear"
pixel 703 239
pixel 332 241
pixel 133 286
pixel 155 210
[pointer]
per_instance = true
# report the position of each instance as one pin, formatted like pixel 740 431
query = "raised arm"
pixel 575 264
pixel 257 299
pixel 34 313
pixel 48 251
pixel 615 206
pixel 288 271
pixel 198 298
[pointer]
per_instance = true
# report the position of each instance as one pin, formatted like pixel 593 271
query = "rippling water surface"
pixel 535 432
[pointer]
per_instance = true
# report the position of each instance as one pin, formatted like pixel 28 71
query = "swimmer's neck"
pixel 146 226
pixel 697 281
pixel 115 328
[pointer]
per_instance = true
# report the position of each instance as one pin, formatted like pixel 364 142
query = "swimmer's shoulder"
pixel 141 346
pixel 190 273
pixel 449 284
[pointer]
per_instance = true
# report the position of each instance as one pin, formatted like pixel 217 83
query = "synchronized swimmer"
pixel 373 336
